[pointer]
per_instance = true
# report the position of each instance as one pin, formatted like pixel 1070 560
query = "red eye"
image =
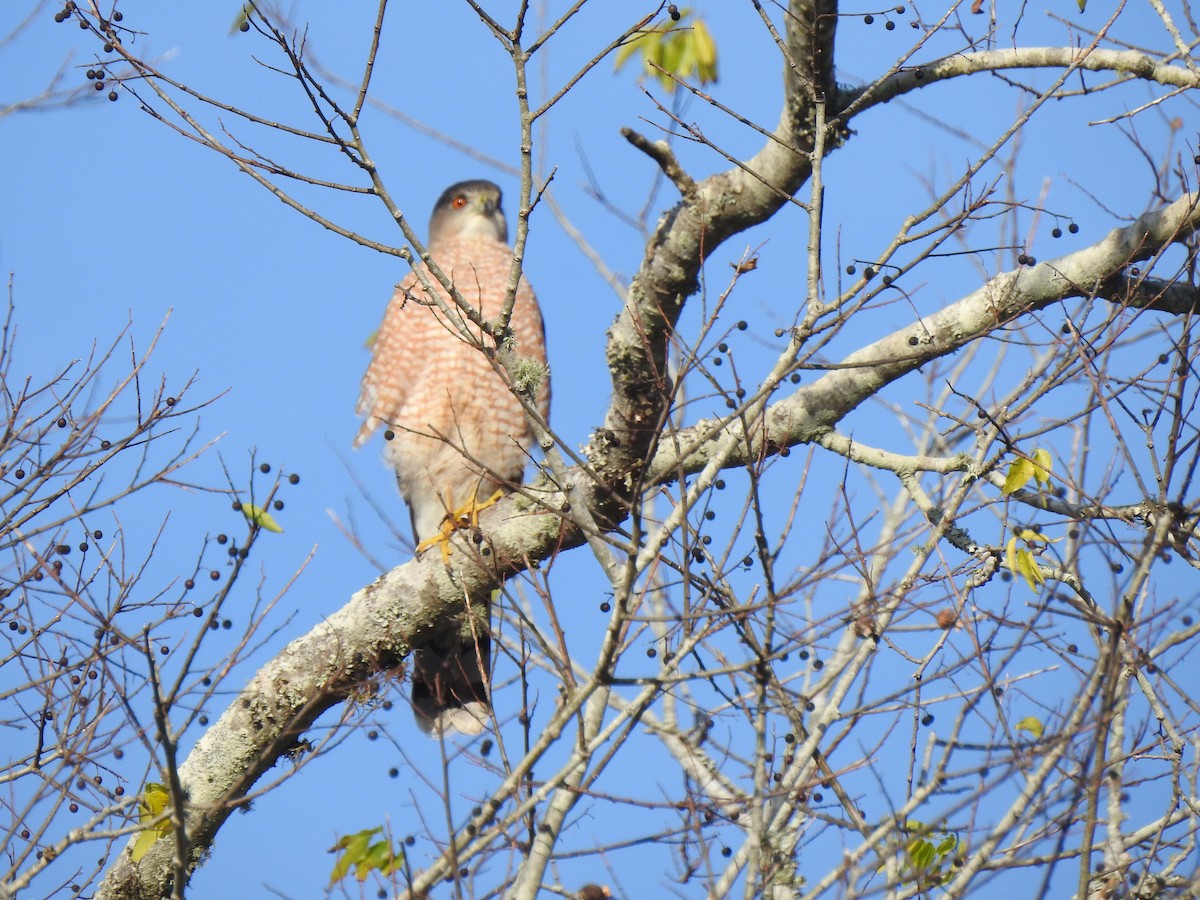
pixel 459 202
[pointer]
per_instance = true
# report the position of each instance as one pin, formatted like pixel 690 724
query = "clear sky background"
pixel 109 221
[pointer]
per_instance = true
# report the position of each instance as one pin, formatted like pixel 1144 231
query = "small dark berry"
pixel 104 445
pixel 389 435
pixel 1056 232
pixel 278 504
pixel 214 575
pixel 851 269
pixel 245 26
pixel 889 25
pixel 264 468
pixel 112 95
pixel 118 16
pixel 742 326
pixel 868 19
pixel 1073 228
pixel 605 607
pixel 294 478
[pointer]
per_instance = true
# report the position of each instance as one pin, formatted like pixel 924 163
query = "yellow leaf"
pixel 150 807
pixel 1028 535
pixel 1036 467
pixel 1028 568
pixel 1042 465
pixel 685 50
pixel 1020 561
pixel 143 843
pixel 1010 555
pixel 1018 475
pixel 260 517
pixel 706 52
pixel 1032 725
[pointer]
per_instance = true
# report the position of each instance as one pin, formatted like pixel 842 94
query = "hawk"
pixel 461 437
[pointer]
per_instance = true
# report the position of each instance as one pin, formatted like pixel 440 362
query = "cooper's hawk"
pixel 461 434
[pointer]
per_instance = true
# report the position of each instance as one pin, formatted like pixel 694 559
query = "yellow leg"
pixel 465 516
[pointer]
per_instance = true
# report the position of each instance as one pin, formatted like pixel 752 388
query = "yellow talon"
pixel 465 516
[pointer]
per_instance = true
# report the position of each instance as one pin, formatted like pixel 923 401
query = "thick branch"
pixel 811 411
pixel 1125 62
pixel 370 634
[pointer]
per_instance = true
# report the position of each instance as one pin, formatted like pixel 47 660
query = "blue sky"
pixel 108 220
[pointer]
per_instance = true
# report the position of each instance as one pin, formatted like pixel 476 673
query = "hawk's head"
pixel 468 209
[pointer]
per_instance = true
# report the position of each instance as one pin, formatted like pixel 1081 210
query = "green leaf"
pixel 921 853
pixel 358 852
pixel 260 517
pixel 1031 724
